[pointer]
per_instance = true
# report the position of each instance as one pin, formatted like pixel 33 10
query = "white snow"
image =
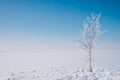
pixel 71 72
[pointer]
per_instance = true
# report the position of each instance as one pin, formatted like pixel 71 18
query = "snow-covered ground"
pixel 71 72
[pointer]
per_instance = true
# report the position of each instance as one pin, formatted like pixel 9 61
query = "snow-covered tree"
pixel 91 29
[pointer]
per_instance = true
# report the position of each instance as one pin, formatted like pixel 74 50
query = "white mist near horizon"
pixel 105 56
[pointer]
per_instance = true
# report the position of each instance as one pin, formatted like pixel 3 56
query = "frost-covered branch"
pixel 91 29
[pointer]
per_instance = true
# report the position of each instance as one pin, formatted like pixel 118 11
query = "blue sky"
pixel 37 22
pixel 52 26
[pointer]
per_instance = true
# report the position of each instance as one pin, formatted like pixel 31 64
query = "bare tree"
pixel 91 29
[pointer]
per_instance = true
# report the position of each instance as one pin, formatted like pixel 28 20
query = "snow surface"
pixel 71 72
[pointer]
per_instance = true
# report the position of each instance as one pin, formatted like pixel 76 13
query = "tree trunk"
pixel 90 61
